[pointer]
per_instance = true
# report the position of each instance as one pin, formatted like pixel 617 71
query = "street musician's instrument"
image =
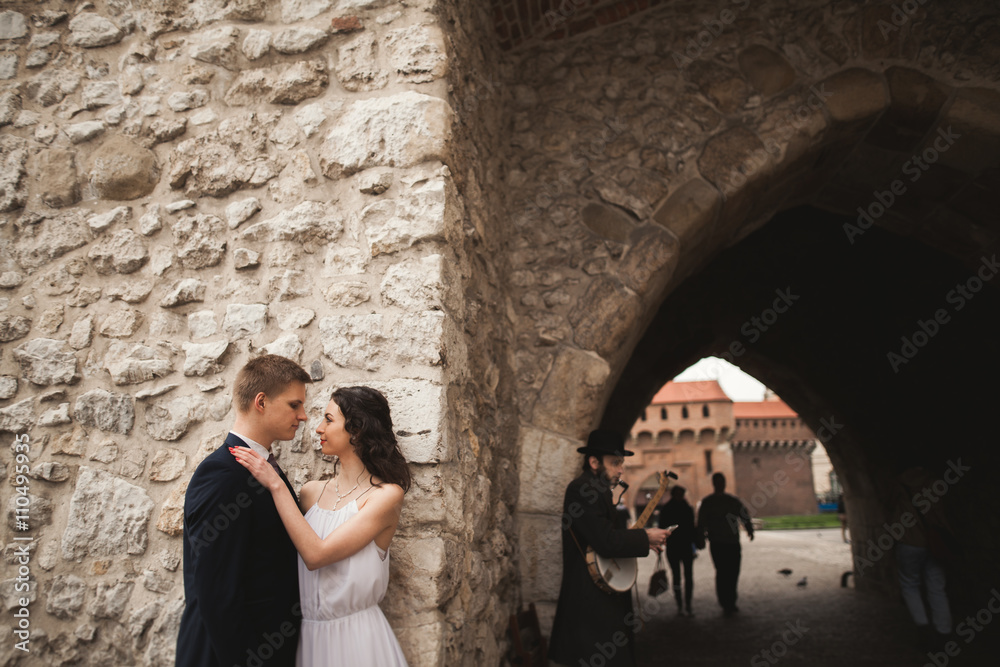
pixel 617 575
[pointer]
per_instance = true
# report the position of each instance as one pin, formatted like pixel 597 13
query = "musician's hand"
pixel 657 537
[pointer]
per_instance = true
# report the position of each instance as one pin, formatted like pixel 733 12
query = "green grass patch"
pixel 799 521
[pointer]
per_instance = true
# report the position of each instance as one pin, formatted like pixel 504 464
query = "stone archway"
pixel 635 169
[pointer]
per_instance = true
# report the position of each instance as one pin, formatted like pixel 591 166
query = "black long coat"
pixel 678 511
pixel 590 622
pixel 241 580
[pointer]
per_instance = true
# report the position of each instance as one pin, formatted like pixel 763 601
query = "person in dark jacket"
pixel 241 583
pixel 589 622
pixel 680 545
pixel 719 517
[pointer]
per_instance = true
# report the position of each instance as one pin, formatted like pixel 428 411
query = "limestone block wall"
pixel 188 184
pixel 640 150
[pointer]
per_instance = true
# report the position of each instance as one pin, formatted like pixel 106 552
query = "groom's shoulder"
pixel 219 468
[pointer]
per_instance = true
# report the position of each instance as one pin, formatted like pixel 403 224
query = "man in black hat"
pixel 590 623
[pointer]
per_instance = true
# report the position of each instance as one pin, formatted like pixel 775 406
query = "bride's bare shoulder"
pixel 387 494
pixel 309 493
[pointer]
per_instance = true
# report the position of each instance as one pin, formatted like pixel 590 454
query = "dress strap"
pixel 322 491
pixel 363 493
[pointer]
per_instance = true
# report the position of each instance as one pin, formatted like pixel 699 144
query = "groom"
pixel 240 572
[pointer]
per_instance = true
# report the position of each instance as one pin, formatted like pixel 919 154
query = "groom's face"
pixel 283 413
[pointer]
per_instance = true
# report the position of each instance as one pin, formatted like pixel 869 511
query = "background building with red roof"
pixel 694 429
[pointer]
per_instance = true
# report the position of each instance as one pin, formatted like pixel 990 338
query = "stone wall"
pixel 372 188
pixel 640 150
pixel 188 184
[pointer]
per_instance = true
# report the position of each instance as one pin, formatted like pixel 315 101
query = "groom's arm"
pixel 221 528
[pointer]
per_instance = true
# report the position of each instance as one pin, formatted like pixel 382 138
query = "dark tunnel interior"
pixel 848 307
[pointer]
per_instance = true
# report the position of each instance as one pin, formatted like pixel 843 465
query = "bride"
pixel 343 539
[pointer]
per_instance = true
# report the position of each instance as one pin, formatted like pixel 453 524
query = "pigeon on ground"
pixel 785 572
pixel 802 583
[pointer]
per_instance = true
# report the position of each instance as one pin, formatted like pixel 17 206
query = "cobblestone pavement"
pixel 835 626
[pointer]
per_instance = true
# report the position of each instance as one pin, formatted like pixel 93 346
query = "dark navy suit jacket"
pixel 240 571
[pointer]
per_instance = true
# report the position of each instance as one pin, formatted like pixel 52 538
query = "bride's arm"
pixel 380 512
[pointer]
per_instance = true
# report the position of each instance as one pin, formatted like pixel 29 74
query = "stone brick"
pixel 282 85
pixel 217 47
pixel 607 222
pixel 45 361
pixel 91 30
pixel 400 130
pixel 767 71
pixel 107 517
pixel 171 519
pixel 690 210
pixel 299 40
pixel 134 364
pixel 169 419
pixel 916 104
pixel 13 327
pixel 298 10
pixel 425 211
pixel 354 341
pixel 417 53
pixel 167 465
pixel 541 570
pixel 114 413
pixel 60 185
pixel 13 185
pixel 358 65
pixel 548 461
pixel 973 115
pixel 571 413
pixel 122 252
pixel 198 242
pixel 345 24
pixel 650 261
pixel 121 169
pixel 854 94
pixel 417 285
pixel 604 316
pixel 722 85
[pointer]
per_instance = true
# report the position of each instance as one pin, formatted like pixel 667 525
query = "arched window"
pixel 704 411
pixel 684 412
pixel 708 461
pixel 663 413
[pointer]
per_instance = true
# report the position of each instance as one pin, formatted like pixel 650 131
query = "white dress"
pixel 342 625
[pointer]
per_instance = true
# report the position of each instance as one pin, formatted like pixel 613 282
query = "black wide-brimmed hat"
pixel 603 442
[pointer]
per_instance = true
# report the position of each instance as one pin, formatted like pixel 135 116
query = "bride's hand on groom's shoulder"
pixel 258 467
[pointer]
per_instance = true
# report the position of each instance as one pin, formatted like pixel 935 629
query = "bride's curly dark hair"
pixel 367 420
